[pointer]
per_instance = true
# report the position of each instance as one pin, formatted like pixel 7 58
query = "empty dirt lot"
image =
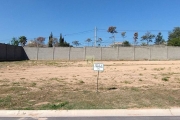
pixel 72 85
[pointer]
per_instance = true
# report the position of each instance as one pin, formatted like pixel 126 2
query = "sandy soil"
pixel 116 73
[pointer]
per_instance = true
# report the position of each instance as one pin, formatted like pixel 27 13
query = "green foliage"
pixel 174 37
pixel 143 44
pixel 148 37
pixel 123 34
pixel 174 42
pixel 88 40
pixel 5 101
pixel 50 43
pixel 14 41
pixel 135 36
pixel 112 29
pixel 76 43
pixel 165 79
pixel 126 43
pixel 54 106
pixel 23 40
pixel 63 43
pixel 61 40
pixel 174 34
pixel 159 39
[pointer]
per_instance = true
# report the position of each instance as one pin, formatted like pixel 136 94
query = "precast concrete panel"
pixel 110 53
pixel 31 52
pixel 158 53
pixel 93 51
pixel 126 53
pixel 62 53
pixel 142 53
pixel 77 53
pixel 173 53
pixel 45 54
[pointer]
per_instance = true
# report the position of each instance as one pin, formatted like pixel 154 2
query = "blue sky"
pixel 34 18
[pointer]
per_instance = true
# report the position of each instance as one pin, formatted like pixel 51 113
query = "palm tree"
pixel 88 40
pixel 112 30
pixel 23 40
pixel 123 34
pixel 99 41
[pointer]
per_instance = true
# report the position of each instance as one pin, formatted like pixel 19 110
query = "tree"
pixel 39 41
pixel 174 34
pixel 159 39
pixel 112 30
pixel 50 43
pixel 63 43
pixel 61 40
pixel 143 44
pixel 55 42
pixel 14 41
pixel 174 42
pixel 76 43
pixel 88 40
pixel 174 37
pixel 148 37
pixel 23 40
pixel 32 43
pixel 126 43
pixel 99 41
pixel 135 37
pixel 123 34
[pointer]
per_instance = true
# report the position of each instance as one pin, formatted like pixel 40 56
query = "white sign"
pixel 98 66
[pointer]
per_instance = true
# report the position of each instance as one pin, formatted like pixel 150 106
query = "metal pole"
pixel 53 51
pixel 97 80
pixel 95 36
pixel 134 50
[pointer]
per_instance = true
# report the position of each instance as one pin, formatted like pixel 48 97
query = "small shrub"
pixel 112 88
pixel 134 89
pixel 165 79
pixel 127 82
pixel 33 84
pixel 81 82
pixel 140 74
pixel 54 106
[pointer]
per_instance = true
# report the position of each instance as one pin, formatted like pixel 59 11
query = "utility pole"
pixel 95 36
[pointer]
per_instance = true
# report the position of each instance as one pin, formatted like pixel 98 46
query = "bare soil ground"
pixel 72 85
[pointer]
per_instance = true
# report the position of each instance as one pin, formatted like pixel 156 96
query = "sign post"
pixel 98 67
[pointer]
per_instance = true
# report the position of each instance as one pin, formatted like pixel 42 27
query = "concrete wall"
pixel 126 53
pixel 142 53
pixel 96 52
pixel 31 52
pixel 173 53
pixel 61 53
pixel 99 53
pixel 45 54
pixel 110 53
pixel 77 53
pixel 159 53
pixel 11 53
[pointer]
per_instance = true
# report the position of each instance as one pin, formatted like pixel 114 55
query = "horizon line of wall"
pixel 104 53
